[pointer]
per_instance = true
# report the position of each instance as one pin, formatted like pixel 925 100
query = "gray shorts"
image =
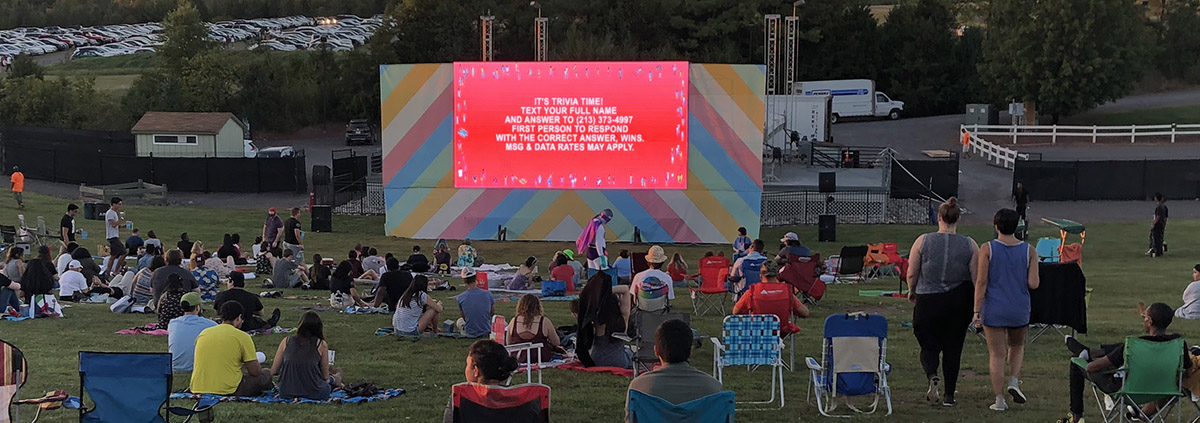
pixel 297 253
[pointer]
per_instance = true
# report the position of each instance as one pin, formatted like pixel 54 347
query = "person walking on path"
pixel 18 185
pixel 940 284
pixel 1158 228
pixel 1008 270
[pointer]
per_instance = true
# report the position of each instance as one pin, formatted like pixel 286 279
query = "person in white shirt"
pixel 1191 298
pixel 72 281
pixel 655 258
pixel 65 258
pixel 113 219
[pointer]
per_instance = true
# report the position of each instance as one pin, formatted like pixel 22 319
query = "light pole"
pixel 790 50
pixel 485 29
pixel 539 33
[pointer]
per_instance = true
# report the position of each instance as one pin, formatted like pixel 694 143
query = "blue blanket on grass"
pixel 337 397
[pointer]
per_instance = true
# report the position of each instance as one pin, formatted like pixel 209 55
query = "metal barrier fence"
pixel 851 207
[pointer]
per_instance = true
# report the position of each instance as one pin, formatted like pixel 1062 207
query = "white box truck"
pixel 807 116
pixel 853 98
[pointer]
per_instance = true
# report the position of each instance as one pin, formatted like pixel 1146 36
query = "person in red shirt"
pixel 564 273
pixel 772 297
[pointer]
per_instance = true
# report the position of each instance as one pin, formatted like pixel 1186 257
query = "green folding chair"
pixel 1153 372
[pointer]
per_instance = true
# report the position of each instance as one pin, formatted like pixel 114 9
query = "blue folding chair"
pixel 1048 249
pixel 853 363
pixel 129 388
pixel 715 408
pixel 751 340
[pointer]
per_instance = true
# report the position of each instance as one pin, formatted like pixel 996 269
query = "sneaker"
pixel 1071 418
pixel 1000 405
pixel 1017 396
pixel 933 394
pixel 1074 346
pixel 274 319
pixel 949 401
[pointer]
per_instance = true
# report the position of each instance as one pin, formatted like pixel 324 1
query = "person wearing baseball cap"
pixel 577 266
pixel 183 330
pixel 747 270
pixel 652 288
pixel 73 283
pixel 769 297
pixel 477 306
pixel 271 232
pixel 792 246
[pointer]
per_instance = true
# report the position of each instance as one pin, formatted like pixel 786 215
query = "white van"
pixel 853 98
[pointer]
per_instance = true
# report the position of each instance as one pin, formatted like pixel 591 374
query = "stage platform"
pixel 800 177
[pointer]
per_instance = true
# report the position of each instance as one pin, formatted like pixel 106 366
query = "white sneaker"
pixel 1000 405
pixel 1017 396
pixel 933 395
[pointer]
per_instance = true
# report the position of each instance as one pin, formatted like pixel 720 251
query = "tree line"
pixel 1064 56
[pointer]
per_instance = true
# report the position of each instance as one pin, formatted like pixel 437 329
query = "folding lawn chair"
pixel 776 299
pixel 129 387
pixel 715 408
pixel 1153 372
pixel 524 352
pixel 801 274
pixel 642 342
pixel 751 340
pixel 1048 249
pixel 850 264
pixel 475 403
pixel 712 284
pixel 853 363
pixel 13 374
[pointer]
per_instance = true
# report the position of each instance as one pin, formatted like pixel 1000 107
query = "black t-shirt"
pixel 289 231
pixel 319 277
pixel 4 281
pixel 250 302
pixel 1117 355
pixel 184 247
pixel 394 284
pixel 1160 213
pixel 227 251
pixel 1022 196
pixel 342 285
pixel 419 263
pixel 68 223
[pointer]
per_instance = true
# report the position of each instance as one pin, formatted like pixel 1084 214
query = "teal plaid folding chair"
pixel 751 340
pixel 715 408
pixel 1153 372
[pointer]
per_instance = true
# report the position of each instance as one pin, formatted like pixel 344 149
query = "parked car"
pixel 360 131
pixel 274 152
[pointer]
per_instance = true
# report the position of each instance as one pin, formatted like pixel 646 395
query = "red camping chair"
pixel 801 273
pixel 528 403
pixel 712 283
pixel 892 251
pixel 775 298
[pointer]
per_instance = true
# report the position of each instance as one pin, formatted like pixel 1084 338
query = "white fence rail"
pixel 1001 156
pixel 1094 132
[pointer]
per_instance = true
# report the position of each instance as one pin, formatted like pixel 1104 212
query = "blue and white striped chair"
pixel 751 340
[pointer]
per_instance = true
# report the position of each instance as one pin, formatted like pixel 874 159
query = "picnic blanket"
pixel 338 396
pixel 150 329
pixel 490 268
pixel 392 332
pixel 348 310
pixel 575 365
pixel 515 298
pixel 16 318
pixel 304 297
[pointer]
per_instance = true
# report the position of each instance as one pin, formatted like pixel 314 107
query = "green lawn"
pixel 115 65
pixel 1162 116
pixel 426 369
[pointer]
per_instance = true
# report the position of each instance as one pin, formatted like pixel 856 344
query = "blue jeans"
pixel 8 298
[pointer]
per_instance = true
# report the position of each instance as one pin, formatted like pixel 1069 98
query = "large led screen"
pixel 571 125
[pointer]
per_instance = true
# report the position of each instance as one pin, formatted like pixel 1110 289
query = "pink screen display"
pixel 570 125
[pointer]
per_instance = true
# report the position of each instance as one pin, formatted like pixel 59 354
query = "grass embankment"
pixel 426 369
pixel 1161 116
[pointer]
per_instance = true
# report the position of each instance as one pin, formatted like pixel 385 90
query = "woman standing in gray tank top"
pixel 942 266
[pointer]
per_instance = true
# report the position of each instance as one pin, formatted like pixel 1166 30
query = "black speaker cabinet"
pixel 828 181
pixel 827 228
pixel 322 219
pixel 320 175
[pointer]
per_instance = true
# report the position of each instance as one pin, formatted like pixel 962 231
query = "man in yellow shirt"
pixel 18 185
pixel 222 353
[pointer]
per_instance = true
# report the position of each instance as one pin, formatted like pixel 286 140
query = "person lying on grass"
pixel 1104 359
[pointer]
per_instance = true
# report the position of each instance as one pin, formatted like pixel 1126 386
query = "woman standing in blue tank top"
pixel 1008 270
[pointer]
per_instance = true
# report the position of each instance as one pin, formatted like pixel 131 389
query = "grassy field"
pixel 1163 116
pixel 1115 266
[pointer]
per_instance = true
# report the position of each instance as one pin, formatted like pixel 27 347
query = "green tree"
pixel 838 40
pixel 209 82
pixel 1066 56
pixel 1179 45
pixel 24 66
pixel 184 36
pixel 920 65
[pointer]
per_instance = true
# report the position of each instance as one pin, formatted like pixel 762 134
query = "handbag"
pixel 340 300
pixel 122 305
